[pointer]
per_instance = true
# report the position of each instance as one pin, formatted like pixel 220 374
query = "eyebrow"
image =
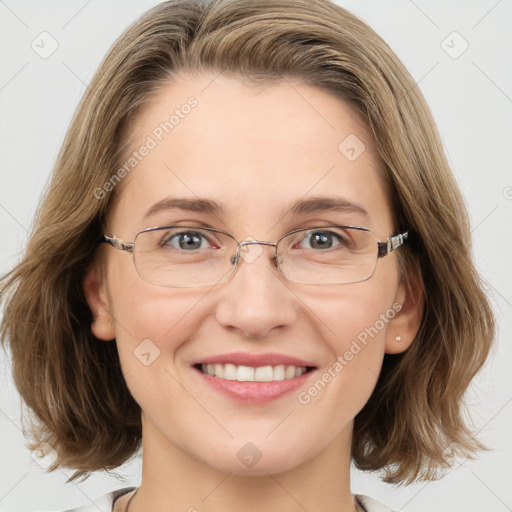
pixel 323 204
pixel 300 207
pixel 191 205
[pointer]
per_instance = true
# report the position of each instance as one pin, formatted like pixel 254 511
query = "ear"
pixel 94 285
pixel 402 329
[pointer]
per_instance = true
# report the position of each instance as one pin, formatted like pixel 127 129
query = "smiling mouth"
pixel 242 373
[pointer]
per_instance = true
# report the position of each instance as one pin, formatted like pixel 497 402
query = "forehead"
pixel 252 151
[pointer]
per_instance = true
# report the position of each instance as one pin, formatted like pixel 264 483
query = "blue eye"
pixel 186 240
pixel 322 240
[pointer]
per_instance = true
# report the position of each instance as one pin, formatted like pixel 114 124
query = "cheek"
pixel 360 350
pixel 167 319
pixel 366 324
pixel 151 322
pixel 354 324
pixel 359 314
pixel 143 310
pixel 155 325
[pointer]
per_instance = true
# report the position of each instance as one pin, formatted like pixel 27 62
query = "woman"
pixel 299 294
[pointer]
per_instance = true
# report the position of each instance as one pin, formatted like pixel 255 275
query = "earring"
pixel 398 338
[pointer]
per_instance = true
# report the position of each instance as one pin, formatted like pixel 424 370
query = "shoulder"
pixel 103 503
pixel 371 505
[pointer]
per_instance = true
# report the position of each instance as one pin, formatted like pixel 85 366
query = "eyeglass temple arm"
pixel 117 243
pixel 392 243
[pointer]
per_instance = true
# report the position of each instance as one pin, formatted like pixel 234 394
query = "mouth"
pixel 253 378
pixel 242 373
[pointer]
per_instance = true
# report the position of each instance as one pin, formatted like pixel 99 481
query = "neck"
pixel 173 478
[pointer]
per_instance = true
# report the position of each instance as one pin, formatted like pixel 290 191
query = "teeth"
pixel 290 372
pixel 245 373
pixel 251 374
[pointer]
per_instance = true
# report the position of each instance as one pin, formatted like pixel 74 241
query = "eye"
pixel 185 240
pixel 322 240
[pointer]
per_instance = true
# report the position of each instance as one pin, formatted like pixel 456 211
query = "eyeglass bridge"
pixel 234 259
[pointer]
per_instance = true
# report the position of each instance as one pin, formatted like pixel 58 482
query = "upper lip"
pixel 255 360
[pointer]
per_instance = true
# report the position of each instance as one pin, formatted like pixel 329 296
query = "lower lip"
pixel 255 392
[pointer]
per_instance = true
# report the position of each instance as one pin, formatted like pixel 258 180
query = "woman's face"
pixel 254 154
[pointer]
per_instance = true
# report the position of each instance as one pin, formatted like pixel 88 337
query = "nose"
pixel 256 301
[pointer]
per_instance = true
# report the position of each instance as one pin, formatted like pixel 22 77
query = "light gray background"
pixel 471 99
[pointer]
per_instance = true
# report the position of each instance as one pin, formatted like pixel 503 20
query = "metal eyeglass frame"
pixel 383 248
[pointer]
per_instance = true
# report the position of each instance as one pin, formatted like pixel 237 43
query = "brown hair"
pixel 73 382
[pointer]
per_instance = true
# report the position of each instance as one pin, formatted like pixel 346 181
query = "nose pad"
pixel 250 249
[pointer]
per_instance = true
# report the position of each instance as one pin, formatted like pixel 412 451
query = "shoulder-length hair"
pixel 73 382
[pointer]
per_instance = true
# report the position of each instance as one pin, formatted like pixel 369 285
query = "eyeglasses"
pixel 187 256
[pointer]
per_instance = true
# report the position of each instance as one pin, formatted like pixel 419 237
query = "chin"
pixel 257 459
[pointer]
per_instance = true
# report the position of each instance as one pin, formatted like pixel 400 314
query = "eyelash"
pixel 340 239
